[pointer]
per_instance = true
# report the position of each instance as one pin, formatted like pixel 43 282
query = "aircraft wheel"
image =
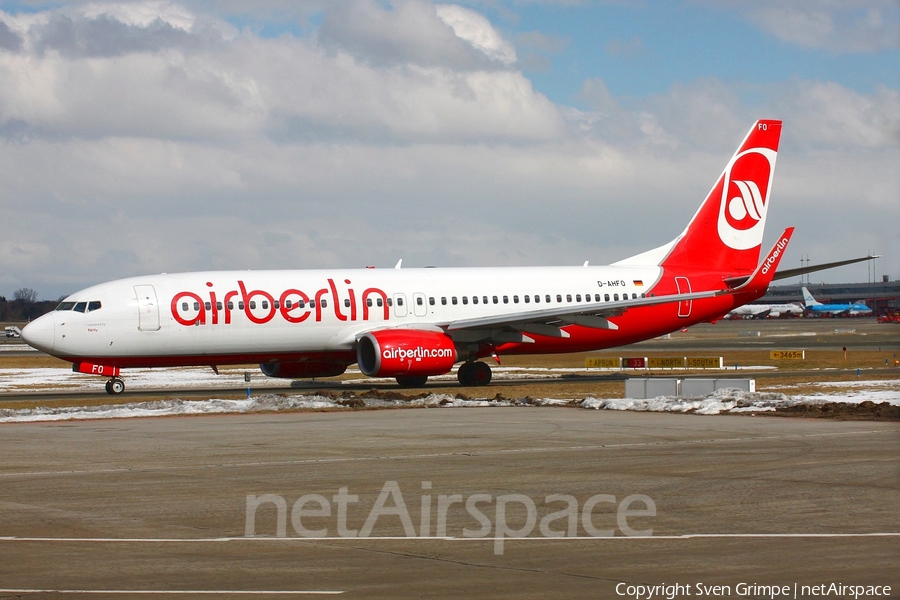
pixel 474 374
pixel 465 374
pixel 481 373
pixel 115 386
pixel 413 381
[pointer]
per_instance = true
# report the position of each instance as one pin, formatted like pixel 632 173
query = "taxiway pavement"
pixel 161 504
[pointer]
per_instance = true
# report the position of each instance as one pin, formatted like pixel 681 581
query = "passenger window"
pixel 288 304
pixel 252 304
pixel 515 299
pixel 453 300
pixel 431 300
pixel 643 294
pixel 484 299
pixel 568 297
pixel 616 297
pixel 577 297
pixel 265 304
pixel 559 297
pixel 301 303
pixel 379 302
pixel 312 303
pixel 537 298
pixel 527 299
pixel 219 306
pixel 184 306
pixel 496 300
pixel 505 299
pixel 346 303
pixel 634 296
pixel 547 298
pixel 231 305
pixel 474 299
pixel 240 305
pixel 323 303
pixel 606 297
pixel 465 299
pixel 276 305
pixel 400 301
pixel 207 305
pixel 420 301
pixel 443 300
pixel 196 306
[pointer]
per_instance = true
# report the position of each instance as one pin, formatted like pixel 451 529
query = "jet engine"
pixel 405 353
pixel 302 370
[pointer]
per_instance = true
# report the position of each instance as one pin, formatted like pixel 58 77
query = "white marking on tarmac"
pixel 220 592
pixel 685 536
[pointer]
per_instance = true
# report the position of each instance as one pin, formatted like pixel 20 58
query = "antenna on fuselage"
pixel 399 262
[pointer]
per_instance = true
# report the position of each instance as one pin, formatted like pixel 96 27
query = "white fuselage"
pixel 240 315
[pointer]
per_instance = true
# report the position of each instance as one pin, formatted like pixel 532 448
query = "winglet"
pixel 761 278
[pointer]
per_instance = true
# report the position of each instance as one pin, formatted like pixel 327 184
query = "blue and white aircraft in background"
pixel 815 307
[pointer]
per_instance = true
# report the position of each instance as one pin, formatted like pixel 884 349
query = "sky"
pixel 166 136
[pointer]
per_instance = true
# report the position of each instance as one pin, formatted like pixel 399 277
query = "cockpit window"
pixel 80 306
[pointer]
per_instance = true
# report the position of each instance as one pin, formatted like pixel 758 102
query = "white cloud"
pixel 478 31
pixel 839 25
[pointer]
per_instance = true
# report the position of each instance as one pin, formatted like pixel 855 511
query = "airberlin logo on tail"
pixel 745 198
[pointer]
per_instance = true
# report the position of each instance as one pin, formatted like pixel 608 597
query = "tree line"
pixel 24 306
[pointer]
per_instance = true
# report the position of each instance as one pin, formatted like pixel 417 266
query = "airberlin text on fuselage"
pixel 291 305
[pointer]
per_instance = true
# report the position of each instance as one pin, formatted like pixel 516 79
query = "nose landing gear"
pixel 115 386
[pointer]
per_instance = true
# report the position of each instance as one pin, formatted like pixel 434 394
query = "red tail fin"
pixel 726 232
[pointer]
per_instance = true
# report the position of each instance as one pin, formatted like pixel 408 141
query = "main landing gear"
pixel 115 386
pixel 474 374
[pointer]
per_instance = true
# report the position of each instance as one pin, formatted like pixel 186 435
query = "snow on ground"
pixel 62 379
pixel 264 403
pixel 16 348
pixel 54 379
pixel 722 401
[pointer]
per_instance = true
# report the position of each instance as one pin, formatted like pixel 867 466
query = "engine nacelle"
pixel 302 370
pixel 405 352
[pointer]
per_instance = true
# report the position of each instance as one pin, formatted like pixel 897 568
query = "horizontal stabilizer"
pixel 813 268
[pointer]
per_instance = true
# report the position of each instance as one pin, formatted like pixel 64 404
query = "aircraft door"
pixel 684 287
pixel 419 307
pixel 148 308
pixel 400 308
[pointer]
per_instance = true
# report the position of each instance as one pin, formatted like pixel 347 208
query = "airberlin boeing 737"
pixel 413 323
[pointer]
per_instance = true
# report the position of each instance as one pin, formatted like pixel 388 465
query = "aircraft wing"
pixel 549 321
pixel 513 327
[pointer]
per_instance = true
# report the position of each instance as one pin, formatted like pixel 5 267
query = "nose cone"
pixel 41 333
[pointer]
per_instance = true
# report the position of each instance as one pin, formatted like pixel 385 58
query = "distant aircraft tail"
pixel 808 299
pixel 725 234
